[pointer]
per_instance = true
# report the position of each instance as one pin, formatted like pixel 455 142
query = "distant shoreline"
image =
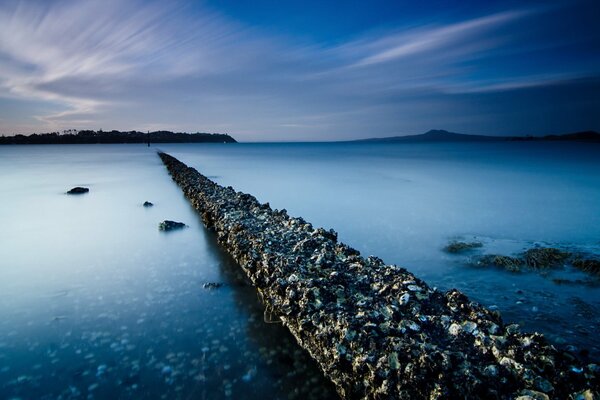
pixel 116 137
pixel 137 137
pixel 445 136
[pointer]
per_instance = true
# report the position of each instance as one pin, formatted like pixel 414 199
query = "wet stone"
pixel 168 225
pixel 212 285
pixel 543 260
pixel 591 266
pixel 461 247
pixel 78 190
pixel 544 257
pixel 511 264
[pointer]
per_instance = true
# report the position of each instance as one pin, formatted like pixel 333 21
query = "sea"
pixel 96 302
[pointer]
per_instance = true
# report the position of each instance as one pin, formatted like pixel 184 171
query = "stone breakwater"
pixel 376 330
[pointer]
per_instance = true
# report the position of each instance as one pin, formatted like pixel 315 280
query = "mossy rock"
pixel 511 264
pixel 590 266
pixel 459 247
pixel 544 257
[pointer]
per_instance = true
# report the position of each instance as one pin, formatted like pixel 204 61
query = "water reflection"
pixel 281 361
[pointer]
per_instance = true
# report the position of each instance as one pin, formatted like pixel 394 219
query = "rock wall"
pixel 376 330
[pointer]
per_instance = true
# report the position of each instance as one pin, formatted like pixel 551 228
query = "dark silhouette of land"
pixel 435 135
pixel 93 137
pixel 445 136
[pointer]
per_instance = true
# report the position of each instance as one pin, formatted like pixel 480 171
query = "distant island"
pixel 445 136
pixel 93 137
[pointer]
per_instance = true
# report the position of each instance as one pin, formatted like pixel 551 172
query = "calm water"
pixel 96 302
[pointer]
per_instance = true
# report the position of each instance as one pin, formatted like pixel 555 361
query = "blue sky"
pixel 310 70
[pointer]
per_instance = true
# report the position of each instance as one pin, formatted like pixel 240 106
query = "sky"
pixel 300 71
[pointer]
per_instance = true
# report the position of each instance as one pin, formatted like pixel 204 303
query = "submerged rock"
pixel 78 190
pixel 460 247
pixel 508 263
pixel 148 204
pixel 591 266
pixel 544 257
pixel 376 330
pixel 582 282
pixel 167 225
pixel 540 259
pixel 212 285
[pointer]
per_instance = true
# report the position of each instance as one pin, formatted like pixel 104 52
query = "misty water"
pixel 96 302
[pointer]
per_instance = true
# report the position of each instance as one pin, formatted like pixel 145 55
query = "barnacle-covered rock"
pixel 376 330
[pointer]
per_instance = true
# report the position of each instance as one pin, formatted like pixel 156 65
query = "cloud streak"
pixel 103 41
pixel 176 65
pixel 402 45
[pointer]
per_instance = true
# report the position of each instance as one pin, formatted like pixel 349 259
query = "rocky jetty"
pixel 376 330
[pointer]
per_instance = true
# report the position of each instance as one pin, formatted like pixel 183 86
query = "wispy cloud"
pixel 516 83
pixel 437 38
pixel 41 46
pixel 179 65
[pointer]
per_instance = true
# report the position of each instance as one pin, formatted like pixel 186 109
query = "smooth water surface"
pixel 96 302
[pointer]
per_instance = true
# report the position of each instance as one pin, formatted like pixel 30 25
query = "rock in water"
pixel 591 266
pixel 460 247
pixel 167 225
pixel 544 257
pixel 511 264
pixel 78 190
pixel 212 285
pixel 148 204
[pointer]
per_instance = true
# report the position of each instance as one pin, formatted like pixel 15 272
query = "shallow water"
pixel 96 301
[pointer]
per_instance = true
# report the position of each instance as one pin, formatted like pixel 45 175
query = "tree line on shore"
pixel 92 137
